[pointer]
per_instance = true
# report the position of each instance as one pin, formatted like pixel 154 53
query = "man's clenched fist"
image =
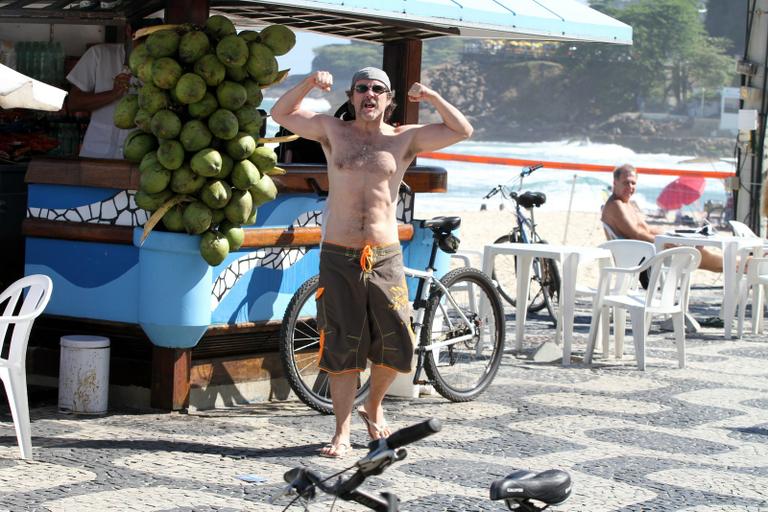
pixel 323 80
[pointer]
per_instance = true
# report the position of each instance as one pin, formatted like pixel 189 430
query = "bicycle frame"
pixel 427 277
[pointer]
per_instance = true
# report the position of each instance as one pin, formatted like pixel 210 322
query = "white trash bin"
pixel 84 374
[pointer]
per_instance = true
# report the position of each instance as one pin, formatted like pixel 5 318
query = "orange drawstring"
pixel 366 259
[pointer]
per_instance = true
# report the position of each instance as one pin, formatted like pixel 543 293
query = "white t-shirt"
pixel 95 72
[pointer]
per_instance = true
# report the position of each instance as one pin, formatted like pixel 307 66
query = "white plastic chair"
pixel 610 234
pixel 22 302
pixel 626 254
pixel 741 229
pixel 667 294
pixel 753 277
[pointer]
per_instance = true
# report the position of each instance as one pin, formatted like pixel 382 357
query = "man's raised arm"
pixel 453 129
pixel 287 110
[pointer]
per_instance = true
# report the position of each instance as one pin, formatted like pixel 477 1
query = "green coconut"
pixel 206 162
pixel 125 112
pixel 279 38
pixel 232 51
pixel 214 247
pixel 170 154
pixel 197 218
pixel 162 43
pixel 235 234
pixel 192 46
pixel 186 181
pixel 165 124
pixel 223 124
pixel 195 135
pixel 216 194
pixel 239 207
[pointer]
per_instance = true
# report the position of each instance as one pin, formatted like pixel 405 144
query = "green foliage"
pixel 343 60
pixel 671 56
pixel 442 50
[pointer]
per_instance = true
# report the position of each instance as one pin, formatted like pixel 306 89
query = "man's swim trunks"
pixel 363 310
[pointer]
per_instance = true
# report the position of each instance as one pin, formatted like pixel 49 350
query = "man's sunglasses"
pixel 376 88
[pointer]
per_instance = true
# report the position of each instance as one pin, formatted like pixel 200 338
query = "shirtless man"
pixel 625 219
pixel 363 309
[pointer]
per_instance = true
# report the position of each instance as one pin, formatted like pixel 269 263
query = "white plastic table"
pixel 730 246
pixel 569 257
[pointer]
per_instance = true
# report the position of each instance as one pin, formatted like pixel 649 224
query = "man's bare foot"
pixel 336 449
pixel 376 429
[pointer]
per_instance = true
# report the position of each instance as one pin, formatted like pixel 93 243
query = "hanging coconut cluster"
pixel 204 168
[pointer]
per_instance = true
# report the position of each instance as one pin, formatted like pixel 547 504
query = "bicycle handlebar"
pixel 382 453
pixel 526 171
pixel 414 433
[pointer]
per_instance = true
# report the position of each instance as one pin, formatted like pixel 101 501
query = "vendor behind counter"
pixel 100 79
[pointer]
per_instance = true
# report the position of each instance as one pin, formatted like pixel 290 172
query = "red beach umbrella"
pixel 684 190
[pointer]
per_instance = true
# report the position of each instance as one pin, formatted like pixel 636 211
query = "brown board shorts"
pixel 363 310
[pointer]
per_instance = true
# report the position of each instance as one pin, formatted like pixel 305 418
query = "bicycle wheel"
pixel 505 277
pixel 462 370
pixel 299 352
pixel 505 270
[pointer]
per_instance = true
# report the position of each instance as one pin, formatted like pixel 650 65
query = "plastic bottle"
pixel 37 60
pixel 21 57
pixel 59 62
pixel 45 63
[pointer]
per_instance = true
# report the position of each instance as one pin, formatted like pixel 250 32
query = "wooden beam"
pixel 123 175
pixel 254 237
pixel 299 237
pixel 85 172
pixel 402 62
pixel 186 11
pixel 171 372
pixel 80 231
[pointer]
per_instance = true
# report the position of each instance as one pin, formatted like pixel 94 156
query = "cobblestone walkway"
pixel 694 439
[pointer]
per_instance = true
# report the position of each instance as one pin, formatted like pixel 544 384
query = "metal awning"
pixel 372 20
pixel 386 20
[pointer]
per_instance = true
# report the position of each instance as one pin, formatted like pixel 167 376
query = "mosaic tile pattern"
pixel 692 439
pixel 118 210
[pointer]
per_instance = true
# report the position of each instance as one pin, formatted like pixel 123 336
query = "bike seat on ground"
pixel 531 199
pixel 442 224
pixel 551 487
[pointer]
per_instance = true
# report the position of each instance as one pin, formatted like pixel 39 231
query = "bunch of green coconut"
pixel 204 168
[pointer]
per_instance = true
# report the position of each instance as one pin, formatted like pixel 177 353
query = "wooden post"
pixel 402 62
pixel 186 11
pixel 171 370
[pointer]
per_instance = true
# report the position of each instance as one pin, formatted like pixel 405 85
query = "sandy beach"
pixel 583 228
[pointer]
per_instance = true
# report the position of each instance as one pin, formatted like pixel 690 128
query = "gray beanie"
pixel 370 73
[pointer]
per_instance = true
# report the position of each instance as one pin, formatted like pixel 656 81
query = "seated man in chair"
pixel 625 219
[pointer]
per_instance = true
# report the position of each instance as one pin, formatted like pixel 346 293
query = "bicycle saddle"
pixel 551 487
pixel 442 224
pixel 531 199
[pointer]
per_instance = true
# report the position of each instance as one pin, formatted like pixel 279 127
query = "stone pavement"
pixel 694 439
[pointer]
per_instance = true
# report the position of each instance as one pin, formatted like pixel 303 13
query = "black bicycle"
pixel 545 278
pixel 458 322
pixel 521 490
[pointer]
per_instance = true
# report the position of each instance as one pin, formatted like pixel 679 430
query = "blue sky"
pixel 300 58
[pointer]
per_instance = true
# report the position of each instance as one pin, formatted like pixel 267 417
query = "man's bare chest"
pixel 380 156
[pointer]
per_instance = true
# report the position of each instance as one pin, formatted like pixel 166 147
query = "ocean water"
pixel 583 191
pixel 469 182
